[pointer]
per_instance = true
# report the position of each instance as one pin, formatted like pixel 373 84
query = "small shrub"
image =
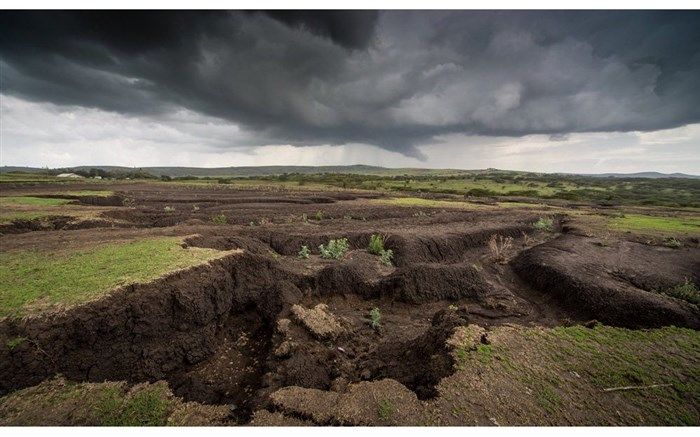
pixel 335 249
pixel 195 208
pixel 304 252
pixel 499 247
pixel 376 244
pixel 168 209
pixel 219 219
pixel 375 317
pixel 544 224
pixel 672 242
pixel 385 410
pixel 686 291
pixel 453 307
pixel 386 256
pixel 319 215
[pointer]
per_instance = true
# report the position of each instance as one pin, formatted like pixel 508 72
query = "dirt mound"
pixel 614 284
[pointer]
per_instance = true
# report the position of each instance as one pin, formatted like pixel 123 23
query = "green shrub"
pixel 304 252
pixel 544 224
pixel 385 410
pixel 386 256
pixel 168 209
pixel 375 317
pixel 686 291
pixel 319 215
pixel 376 244
pixel 219 219
pixel 672 242
pixel 335 249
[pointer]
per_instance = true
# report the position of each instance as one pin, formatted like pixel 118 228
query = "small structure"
pixel 69 175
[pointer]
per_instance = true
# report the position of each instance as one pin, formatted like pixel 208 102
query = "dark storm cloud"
pixel 393 79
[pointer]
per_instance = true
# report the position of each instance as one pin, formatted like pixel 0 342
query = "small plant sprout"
pixel 304 252
pixel 319 215
pixel 335 248
pixel 376 244
pixel 544 224
pixel 499 247
pixel 453 307
pixel 375 317
pixel 14 342
pixel 386 256
pixel 168 209
pixel 219 219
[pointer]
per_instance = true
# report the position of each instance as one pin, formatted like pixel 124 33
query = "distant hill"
pixel 345 169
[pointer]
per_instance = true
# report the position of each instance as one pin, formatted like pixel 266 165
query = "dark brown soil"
pixel 224 333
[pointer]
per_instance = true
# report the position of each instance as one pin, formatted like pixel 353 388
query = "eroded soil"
pixel 281 340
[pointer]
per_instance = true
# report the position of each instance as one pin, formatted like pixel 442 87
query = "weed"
pixel 386 256
pixel 499 247
pixel 386 409
pixel 544 224
pixel 304 252
pixel 672 242
pixel 195 208
pixel 335 249
pixel 219 219
pixel 319 215
pixel 375 316
pixel 304 218
pixel 264 221
pixel 453 307
pixel 376 244
pixel 686 291
pixel 14 342
pixel 169 209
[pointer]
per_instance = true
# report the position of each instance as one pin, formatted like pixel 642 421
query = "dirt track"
pixel 226 333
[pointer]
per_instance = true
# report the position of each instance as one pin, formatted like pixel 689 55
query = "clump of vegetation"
pixel 335 248
pixel 376 244
pixel 14 342
pixel 686 291
pixel 672 242
pixel 453 307
pixel 219 219
pixel 304 252
pixel 385 410
pixel 376 247
pixel 544 224
pixel 319 215
pixel 386 257
pixel 169 209
pixel 264 221
pixel 195 208
pixel 375 317
pixel 304 218
pixel 499 247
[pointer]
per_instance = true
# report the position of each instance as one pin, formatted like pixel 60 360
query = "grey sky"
pixel 547 91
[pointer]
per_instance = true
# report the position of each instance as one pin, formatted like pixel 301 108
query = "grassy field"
pixel 60 402
pixel 28 200
pixel 32 280
pixel 581 375
pixel 640 222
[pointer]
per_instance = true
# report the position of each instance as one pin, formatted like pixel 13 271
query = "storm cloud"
pixel 392 79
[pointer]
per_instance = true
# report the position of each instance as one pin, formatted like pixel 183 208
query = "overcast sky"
pixel 586 92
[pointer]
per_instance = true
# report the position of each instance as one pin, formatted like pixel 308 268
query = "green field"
pixel 37 280
pixel 640 222
pixel 28 200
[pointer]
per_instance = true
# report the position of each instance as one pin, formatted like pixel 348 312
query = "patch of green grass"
pixel 31 279
pixel 219 219
pixel 640 222
pixel 29 200
pixel 385 409
pixel 375 317
pixel 10 216
pixel 484 353
pixel 147 407
pixel 428 203
pixel 304 252
pixel 81 193
pixel 14 342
